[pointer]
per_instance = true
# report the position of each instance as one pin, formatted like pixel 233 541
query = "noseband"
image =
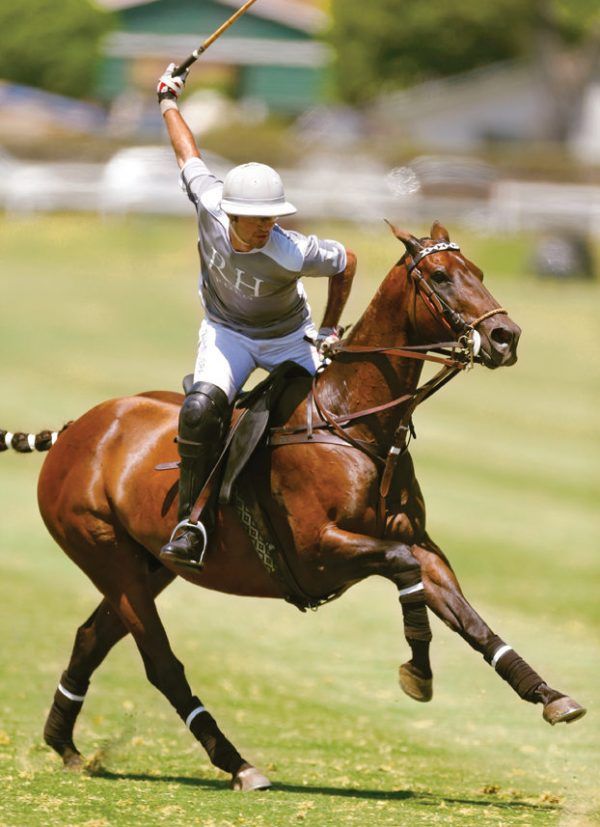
pixel 452 318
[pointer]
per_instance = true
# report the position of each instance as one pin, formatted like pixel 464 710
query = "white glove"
pixel 169 87
pixel 326 337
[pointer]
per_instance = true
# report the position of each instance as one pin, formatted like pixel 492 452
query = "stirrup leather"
pixel 198 528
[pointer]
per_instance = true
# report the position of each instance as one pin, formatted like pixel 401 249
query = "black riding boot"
pixel 203 422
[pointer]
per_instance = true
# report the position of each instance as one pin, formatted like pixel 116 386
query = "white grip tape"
pixel 8 439
pixel 418 587
pixel 79 698
pixel 499 654
pixel 31 441
pixel 193 714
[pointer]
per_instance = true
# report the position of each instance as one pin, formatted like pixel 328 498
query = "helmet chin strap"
pixel 237 237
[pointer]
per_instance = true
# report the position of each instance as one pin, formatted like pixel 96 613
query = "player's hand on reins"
pixel 326 338
pixel 169 87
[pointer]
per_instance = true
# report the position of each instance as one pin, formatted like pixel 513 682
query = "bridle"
pixel 436 304
pixel 454 357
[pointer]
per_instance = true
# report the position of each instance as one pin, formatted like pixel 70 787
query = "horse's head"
pixel 449 295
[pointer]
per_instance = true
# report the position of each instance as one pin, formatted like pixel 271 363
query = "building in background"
pixel 271 57
pixel 497 104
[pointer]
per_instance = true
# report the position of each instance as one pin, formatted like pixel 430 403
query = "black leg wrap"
pixel 58 730
pixel 515 671
pixel 220 750
pixel 416 619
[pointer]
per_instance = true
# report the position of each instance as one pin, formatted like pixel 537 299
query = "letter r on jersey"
pixel 217 263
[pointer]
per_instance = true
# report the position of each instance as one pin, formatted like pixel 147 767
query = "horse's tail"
pixel 26 443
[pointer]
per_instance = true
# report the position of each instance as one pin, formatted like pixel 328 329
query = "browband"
pixel 435 248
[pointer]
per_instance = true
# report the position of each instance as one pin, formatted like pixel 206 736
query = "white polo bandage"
pixel 499 653
pixel 79 698
pixel 193 714
pixel 8 436
pixel 418 587
pixel 31 441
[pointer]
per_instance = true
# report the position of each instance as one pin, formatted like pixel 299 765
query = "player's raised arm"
pixel 169 89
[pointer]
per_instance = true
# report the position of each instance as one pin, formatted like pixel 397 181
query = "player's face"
pixel 253 230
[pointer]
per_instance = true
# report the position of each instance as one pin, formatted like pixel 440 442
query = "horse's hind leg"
pixel 444 596
pixel 93 641
pixel 134 603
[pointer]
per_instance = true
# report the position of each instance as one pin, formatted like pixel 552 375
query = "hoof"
pixel 416 687
pixel 74 762
pixel 72 759
pixel 563 709
pixel 249 779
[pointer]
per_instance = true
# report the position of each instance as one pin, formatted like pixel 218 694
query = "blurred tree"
pixel 52 45
pixel 386 44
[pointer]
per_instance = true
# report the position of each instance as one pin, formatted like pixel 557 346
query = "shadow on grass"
pixel 418 797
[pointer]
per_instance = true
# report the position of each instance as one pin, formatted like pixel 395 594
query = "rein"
pixel 333 426
pixel 454 357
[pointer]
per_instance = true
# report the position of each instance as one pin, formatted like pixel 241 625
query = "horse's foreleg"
pixel 93 641
pixel 360 556
pixel 444 596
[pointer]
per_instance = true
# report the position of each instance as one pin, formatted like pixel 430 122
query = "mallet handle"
pixel 179 70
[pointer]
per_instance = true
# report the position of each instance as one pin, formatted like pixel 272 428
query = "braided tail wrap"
pixel 27 443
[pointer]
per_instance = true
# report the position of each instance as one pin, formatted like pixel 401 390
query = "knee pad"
pixel 205 414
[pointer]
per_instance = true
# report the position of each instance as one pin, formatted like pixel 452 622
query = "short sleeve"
pixel 196 179
pixel 323 257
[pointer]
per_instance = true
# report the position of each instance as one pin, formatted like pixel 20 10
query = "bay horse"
pixel 110 511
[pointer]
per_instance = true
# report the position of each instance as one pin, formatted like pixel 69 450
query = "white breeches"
pixel 226 358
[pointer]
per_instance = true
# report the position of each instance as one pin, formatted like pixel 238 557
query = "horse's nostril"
pixel 501 336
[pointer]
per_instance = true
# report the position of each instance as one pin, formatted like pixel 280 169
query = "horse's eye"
pixel 439 277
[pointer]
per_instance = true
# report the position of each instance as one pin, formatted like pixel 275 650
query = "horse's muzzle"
pixel 499 340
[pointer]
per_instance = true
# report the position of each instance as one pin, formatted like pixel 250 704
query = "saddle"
pixel 256 408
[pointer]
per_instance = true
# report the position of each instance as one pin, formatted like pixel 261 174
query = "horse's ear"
pixel 439 232
pixel 412 244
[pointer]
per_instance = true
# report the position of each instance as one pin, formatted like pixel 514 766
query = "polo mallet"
pixel 179 70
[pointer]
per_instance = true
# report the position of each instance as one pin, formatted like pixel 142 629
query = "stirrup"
pixel 197 528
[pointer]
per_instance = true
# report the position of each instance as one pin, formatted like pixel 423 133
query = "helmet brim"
pixel 258 210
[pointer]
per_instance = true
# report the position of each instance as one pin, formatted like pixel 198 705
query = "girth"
pixel 271 550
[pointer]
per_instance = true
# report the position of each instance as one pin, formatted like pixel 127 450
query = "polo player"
pixel 256 312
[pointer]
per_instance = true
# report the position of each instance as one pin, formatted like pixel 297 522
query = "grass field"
pixel 93 309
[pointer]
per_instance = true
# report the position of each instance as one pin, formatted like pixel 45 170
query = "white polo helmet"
pixel 255 189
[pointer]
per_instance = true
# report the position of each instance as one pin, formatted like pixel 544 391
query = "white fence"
pixel 144 179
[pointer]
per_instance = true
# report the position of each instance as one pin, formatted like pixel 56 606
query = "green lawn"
pixel 508 461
